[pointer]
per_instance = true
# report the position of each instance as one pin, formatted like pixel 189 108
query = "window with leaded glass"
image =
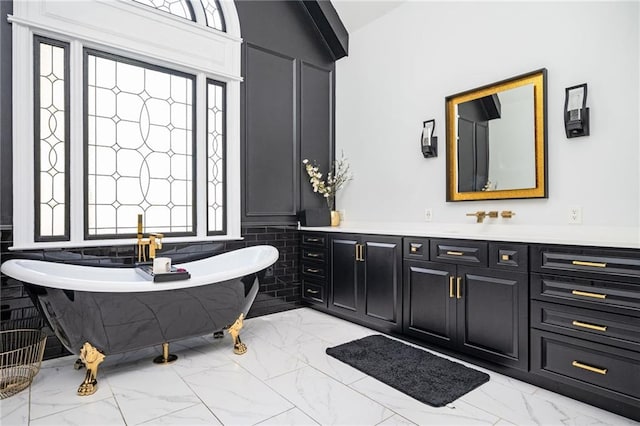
pixel 213 14
pixel 51 119
pixel 216 145
pixel 180 8
pixel 140 147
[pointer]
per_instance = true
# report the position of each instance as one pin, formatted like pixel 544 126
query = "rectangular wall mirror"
pixel 497 140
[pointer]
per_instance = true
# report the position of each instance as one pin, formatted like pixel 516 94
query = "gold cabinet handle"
pixel 313 270
pixel 360 252
pixel 458 295
pixel 313 254
pixel 592 264
pixel 451 295
pixel 577 364
pixel 455 253
pixel 589 326
pixel 313 291
pixel 587 294
pixel 313 240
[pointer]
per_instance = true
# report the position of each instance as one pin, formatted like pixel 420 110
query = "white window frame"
pixel 145 34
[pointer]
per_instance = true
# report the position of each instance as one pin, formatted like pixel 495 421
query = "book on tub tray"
pixel 176 274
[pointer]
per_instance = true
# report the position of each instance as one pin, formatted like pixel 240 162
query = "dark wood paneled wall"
pixel 288 109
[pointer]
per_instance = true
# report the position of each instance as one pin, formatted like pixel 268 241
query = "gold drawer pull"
pixel 455 253
pixel 313 240
pixel 587 294
pixel 589 326
pixel 313 254
pixel 592 264
pixel 313 291
pixel 458 295
pixel 577 364
pixel 313 270
pixel 451 295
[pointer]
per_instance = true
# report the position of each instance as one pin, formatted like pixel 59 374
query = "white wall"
pixel 401 67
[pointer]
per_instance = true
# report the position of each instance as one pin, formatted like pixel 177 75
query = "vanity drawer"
pixel 459 252
pixel 313 292
pixel 416 248
pixel 602 327
pixel 616 297
pixel 513 257
pixel 588 262
pixel 572 360
pixel 314 270
pixel 314 239
pixel 314 254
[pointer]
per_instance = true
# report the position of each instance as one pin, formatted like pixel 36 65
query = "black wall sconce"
pixel 576 113
pixel 428 142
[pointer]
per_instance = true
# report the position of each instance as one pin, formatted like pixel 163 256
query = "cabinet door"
pixel 492 315
pixel 344 274
pixel 381 286
pixel 429 301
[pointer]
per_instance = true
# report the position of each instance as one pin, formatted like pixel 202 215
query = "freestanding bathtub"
pixel 98 311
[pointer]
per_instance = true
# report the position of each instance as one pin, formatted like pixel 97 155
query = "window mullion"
pixel 76 140
pixel 201 153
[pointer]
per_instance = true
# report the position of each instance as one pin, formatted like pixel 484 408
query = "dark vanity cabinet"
pixel 366 280
pixel 566 318
pixel 585 319
pixel 314 265
pixel 471 296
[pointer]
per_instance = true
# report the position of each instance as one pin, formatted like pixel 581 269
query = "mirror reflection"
pixel 496 141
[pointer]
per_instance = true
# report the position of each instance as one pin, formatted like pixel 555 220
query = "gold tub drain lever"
pixel 166 357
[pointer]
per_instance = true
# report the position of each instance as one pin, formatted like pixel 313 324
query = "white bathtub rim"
pixel 210 270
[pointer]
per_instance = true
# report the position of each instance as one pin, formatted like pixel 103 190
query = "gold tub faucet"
pixel 154 242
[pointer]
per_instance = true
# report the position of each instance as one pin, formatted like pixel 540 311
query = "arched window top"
pixel 214 14
pixel 210 9
pixel 179 8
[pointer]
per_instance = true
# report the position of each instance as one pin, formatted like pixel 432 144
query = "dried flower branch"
pixel 336 178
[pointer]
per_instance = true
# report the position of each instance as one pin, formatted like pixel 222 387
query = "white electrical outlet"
pixel 575 215
pixel 428 215
pixel 342 214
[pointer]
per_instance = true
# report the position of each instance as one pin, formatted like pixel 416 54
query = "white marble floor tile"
pixel 196 415
pixel 104 412
pixel 581 413
pixel 150 392
pixel 235 396
pixel 396 420
pixel 503 422
pixel 337 331
pixel 15 409
pixel 293 417
pixel 515 406
pixel 275 331
pixel 326 400
pixel 55 388
pixel 265 360
pixel 455 413
pixel 313 353
pixel 202 356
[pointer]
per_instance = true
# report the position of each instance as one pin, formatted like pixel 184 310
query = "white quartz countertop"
pixel 601 236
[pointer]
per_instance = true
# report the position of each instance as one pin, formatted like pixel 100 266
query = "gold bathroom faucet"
pixel 154 242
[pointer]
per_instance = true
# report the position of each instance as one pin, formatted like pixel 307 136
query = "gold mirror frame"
pixel 539 80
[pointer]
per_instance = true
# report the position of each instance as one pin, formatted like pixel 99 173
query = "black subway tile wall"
pixel 279 289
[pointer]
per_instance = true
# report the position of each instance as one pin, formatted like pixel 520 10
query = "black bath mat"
pixel 426 377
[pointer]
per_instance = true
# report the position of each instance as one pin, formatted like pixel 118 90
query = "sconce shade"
pixel 428 142
pixel 576 113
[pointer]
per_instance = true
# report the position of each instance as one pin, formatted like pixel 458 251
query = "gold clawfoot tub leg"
pixel 91 358
pixel 234 330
